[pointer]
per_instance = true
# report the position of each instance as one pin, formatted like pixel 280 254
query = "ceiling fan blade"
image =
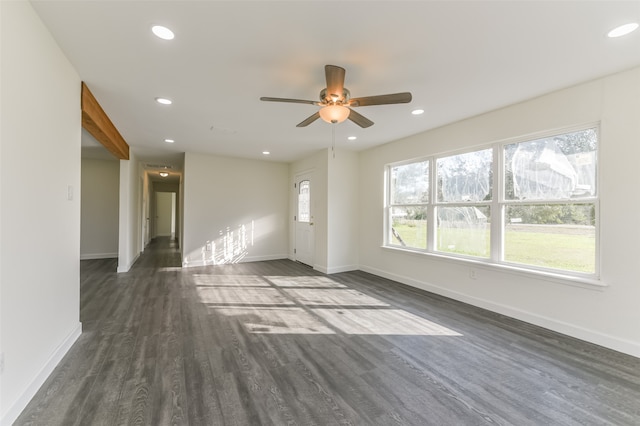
pixel 309 120
pixel 395 98
pixel 360 119
pixel 293 101
pixel 335 80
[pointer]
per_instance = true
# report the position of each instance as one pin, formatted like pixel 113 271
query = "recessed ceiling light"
pixel 623 30
pixel 164 174
pixel 266 152
pixel 352 138
pixel 164 101
pixel 417 111
pixel 162 32
pixel 169 140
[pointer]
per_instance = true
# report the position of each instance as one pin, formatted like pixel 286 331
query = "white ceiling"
pixel 457 58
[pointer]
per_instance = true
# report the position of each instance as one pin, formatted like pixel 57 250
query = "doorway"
pixel 166 214
pixel 304 226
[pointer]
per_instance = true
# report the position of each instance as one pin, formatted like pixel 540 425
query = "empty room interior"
pixel 319 212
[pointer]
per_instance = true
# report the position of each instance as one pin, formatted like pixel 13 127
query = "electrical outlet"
pixel 472 274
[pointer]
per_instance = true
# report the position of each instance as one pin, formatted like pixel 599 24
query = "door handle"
pixel 310 223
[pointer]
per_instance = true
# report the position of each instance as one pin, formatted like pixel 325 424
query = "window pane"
pixel 408 227
pixel 555 168
pixel 464 230
pixel 465 177
pixel 410 183
pixel 304 208
pixel 558 236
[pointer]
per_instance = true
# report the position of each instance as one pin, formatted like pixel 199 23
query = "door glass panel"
pixel 304 189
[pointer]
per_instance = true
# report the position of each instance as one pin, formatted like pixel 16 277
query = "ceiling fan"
pixel 337 103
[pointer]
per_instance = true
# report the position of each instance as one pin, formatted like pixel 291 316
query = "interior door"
pixel 305 241
pixel 163 214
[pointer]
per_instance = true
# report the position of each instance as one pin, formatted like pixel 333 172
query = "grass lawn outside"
pixel 561 247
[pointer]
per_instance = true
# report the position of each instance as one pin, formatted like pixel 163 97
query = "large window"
pixel 530 203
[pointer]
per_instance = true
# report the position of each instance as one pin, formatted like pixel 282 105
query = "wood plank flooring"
pixel 277 343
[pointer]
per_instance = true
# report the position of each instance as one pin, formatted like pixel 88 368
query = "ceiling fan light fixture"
pixel 334 113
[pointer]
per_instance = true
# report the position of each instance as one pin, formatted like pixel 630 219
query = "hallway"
pixel 279 343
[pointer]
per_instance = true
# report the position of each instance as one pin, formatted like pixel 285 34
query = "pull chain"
pixel 333 140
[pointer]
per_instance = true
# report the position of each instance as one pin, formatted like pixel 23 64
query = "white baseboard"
pixel 592 336
pixel 209 262
pixel 125 268
pixel 338 269
pixel 38 380
pixel 91 256
pixel 321 268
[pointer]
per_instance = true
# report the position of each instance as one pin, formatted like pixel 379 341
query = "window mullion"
pixel 431 215
pixel 497 209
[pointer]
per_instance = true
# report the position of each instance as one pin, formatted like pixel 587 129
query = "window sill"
pixel 556 277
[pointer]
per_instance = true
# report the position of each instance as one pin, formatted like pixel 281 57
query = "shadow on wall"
pixel 231 246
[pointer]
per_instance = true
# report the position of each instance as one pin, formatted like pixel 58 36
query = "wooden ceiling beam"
pixel 96 122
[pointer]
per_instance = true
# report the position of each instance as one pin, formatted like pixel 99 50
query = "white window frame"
pixel 498 205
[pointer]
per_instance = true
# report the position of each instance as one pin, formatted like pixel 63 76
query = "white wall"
pixel 40 144
pixel 2 406
pixel 343 211
pixel 130 214
pixel 99 208
pixel 608 316
pixel 237 206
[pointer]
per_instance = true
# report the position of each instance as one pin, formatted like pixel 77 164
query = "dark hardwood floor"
pixel 275 343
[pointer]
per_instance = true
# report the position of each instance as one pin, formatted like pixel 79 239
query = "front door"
pixel 305 242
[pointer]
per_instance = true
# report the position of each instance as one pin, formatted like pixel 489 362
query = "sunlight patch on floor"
pixel 243 296
pixel 332 297
pixel 307 305
pixel 292 320
pixel 229 280
pixel 304 281
pixel 170 269
pixel 382 321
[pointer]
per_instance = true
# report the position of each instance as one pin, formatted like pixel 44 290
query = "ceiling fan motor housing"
pixel 334 99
